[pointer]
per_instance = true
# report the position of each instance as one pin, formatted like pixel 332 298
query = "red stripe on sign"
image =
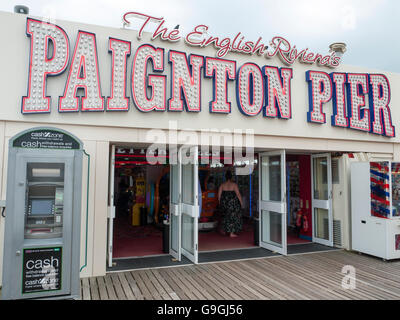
pixel 376 214
pixel 381 200
pixel 380 167
pixel 381 183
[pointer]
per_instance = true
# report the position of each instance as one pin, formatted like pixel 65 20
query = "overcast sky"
pixel 369 28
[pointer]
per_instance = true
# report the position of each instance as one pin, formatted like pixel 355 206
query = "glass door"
pixel 111 208
pixel 175 216
pixel 273 201
pixel 322 199
pixel 190 202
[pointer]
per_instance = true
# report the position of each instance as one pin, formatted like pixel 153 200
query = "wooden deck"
pixel 305 276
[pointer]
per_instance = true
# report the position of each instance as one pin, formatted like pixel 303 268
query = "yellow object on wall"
pixel 140 199
pixel 136 214
pixel 140 190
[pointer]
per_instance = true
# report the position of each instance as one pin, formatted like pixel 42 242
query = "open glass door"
pixel 190 202
pixel 111 208
pixel 273 201
pixel 175 216
pixel 322 199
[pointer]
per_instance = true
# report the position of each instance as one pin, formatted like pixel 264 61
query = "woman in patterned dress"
pixel 230 201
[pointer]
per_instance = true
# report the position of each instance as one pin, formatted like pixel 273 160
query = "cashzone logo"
pixel 47 134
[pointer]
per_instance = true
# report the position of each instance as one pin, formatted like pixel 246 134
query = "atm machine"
pixel 43 216
pixel 44 200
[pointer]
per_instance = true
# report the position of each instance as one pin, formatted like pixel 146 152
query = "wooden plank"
pixel 335 271
pixel 153 291
pixel 258 284
pixel 200 282
pixel 133 285
pixel 306 278
pixel 292 280
pixel 94 289
pixel 381 269
pixel 220 284
pixel 273 276
pixel 375 288
pixel 193 283
pixel 322 277
pixel 126 287
pixel 373 265
pixel 213 292
pixel 327 280
pixel 143 289
pixel 118 287
pixel 192 294
pixel 247 278
pixel 359 293
pixel 110 287
pixel 159 288
pixel 210 283
pixel 102 288
pixel 237 286
pixel 173 284
pixel 276 287
pixel 86 289
pixel 165 285
pixel 242 282
pixel 308 286
pixel 311 276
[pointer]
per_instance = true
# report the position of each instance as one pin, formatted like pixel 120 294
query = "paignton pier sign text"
pixel 360 101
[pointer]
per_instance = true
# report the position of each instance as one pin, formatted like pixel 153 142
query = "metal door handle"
pixel 18 253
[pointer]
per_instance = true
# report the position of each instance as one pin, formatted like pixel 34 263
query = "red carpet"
pixel 137 241
pixel 209 241
pixel 143 241
pixel 292 239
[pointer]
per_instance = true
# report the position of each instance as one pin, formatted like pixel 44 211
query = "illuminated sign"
pixel 262 90
pixel 279 46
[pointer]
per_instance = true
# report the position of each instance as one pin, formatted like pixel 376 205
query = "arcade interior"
pixel 142 205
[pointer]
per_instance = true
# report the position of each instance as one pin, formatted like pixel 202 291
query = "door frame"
pixel 192 209
pixel 322 204
pixel 275 206
pixel 111 207
pixel 176 210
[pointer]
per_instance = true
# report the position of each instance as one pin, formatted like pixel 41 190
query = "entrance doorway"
pixel 141 195
pixel 172 209
pixel 298 190
pixel 295 200
pixel 211 232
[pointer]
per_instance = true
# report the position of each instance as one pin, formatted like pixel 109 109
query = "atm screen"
pixel 42 207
